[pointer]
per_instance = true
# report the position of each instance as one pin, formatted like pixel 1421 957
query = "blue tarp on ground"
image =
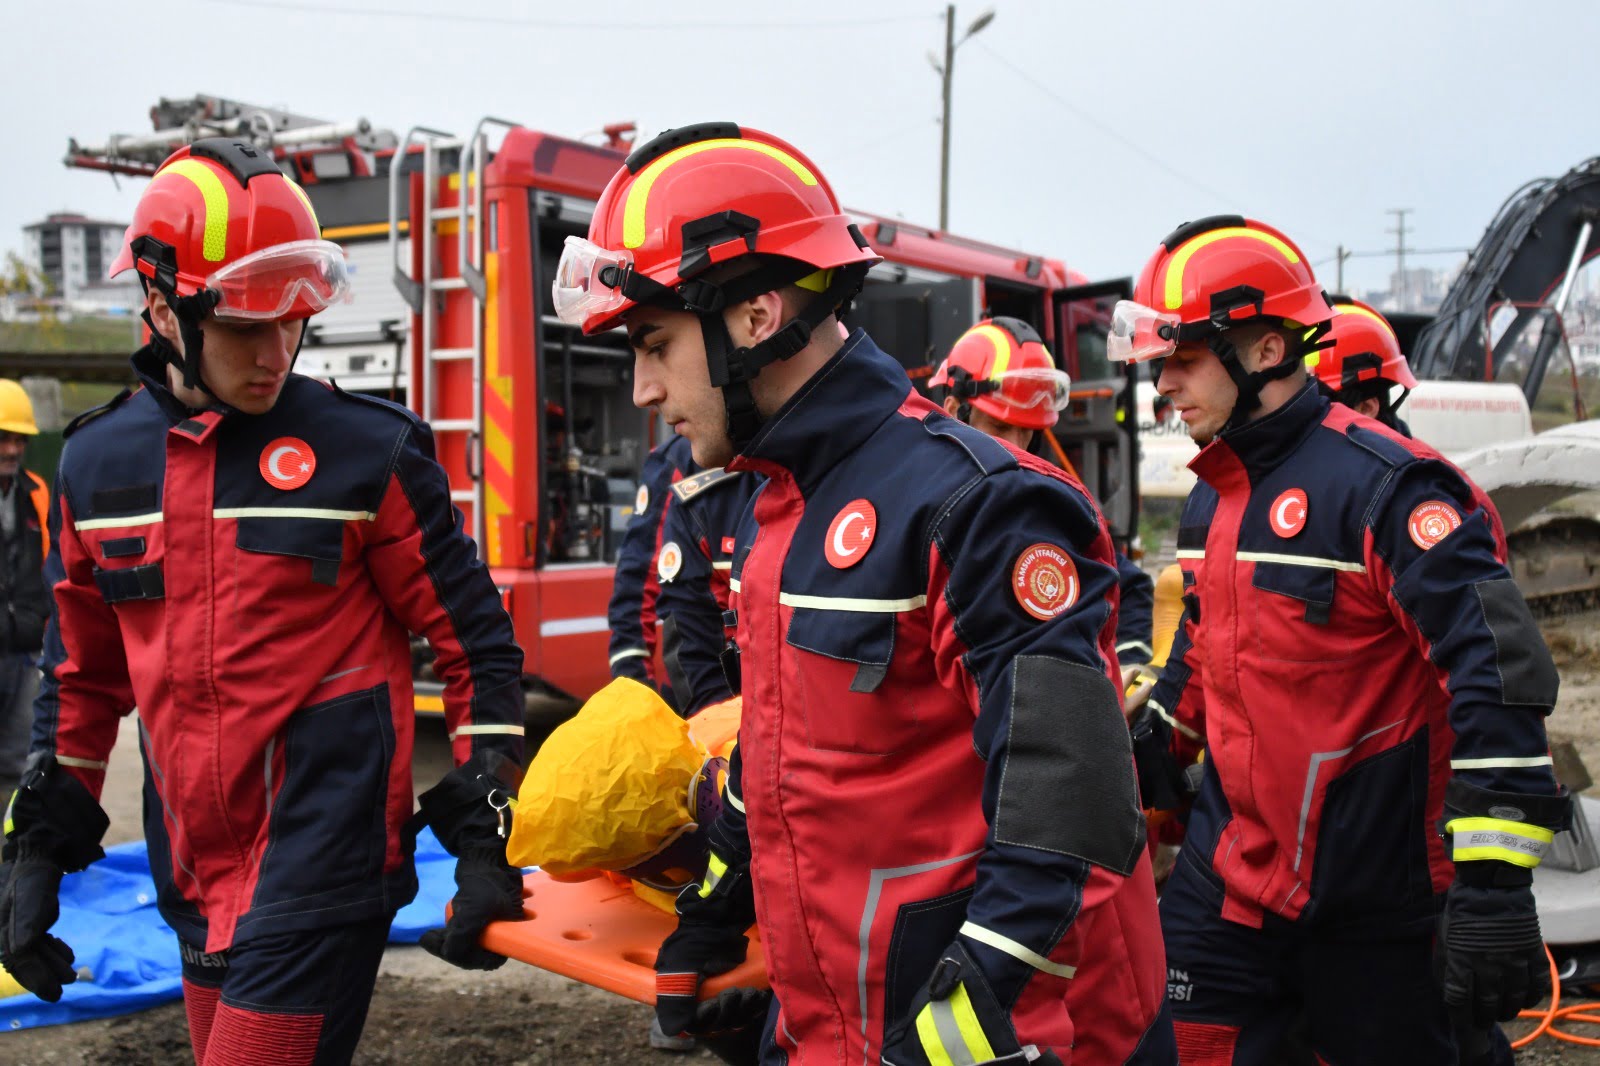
pixel 109 918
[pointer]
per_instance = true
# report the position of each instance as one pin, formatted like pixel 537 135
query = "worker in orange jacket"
pixel 24 504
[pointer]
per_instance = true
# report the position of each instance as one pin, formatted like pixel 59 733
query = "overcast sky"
pixel 1081 131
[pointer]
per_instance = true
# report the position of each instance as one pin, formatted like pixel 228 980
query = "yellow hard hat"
pixel 16 410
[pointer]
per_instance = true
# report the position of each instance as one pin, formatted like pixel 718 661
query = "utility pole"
pixel 944 123
pixel 944 71
pixel 1340 255
pixel 1399 230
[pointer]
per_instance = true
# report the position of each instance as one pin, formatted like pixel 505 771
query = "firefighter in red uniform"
pixel 931 811
pixel 238 551
pixel 1001 378
pixel 1366 682
pixel 1362 365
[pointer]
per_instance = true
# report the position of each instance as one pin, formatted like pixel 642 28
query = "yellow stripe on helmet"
pixel 639 192
pixel 298 191
pixel 1002 347
pixel 1180 258
pixel 1352 309
pixel 214 246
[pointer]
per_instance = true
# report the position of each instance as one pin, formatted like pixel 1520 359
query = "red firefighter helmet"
pixel 1212 275
pixel 1363 350
pixel 1001 367
pixel 694 198
pixel 220 218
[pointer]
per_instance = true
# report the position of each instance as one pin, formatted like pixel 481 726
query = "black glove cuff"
pixel 1493 874
pixel 1463 799
pixel 1512 932
pixel 459 807
pixel 53 814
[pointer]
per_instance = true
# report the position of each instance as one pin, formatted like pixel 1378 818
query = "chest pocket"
pixel 286 571
pixel 1294 614
pixel 126 567
pixel 844 664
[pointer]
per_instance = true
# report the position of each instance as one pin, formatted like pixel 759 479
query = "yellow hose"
pixel 1167 613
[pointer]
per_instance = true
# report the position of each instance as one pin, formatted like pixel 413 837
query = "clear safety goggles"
pixel 588 280
pixel 1139 333
pixel 1034 388
pixel 301 276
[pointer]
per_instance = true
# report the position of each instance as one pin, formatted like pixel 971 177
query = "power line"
pixel 1108 130
pixel 546 24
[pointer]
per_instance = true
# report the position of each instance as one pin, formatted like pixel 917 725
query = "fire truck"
pixel 452 243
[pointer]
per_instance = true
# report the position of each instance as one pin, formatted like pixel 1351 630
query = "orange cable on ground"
pixel 1574 1012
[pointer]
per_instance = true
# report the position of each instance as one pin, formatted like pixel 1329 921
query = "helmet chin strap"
pixel 1250 383
pixel 190 311
pixel 733 368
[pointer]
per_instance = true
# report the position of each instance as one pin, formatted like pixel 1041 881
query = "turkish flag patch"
pixel 850 534
pixel 287 463
pixel 1289 513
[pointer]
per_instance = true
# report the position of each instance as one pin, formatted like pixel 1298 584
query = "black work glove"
pixel 30 886
pixel 487 890
pixel 1490 956
pixel 730 1026
pixel 996 1041
pixel 697 949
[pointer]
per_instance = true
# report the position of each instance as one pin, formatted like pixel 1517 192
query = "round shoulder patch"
pixel 287 463
pixel 669 561
pixel 850 534
pixel 1045 581
pixel 642 500
pixel 1431 522
pixel 1289 513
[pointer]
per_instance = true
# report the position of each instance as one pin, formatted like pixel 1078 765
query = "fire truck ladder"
pixel 424 293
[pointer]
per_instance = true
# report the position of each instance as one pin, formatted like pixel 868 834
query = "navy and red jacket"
pixel 632 612
pixel 932 751
pixel 1351 641
pixel 693 567
pixel 248 583
pixel 1135 612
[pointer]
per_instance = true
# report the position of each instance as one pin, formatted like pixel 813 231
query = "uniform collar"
pixel 1264 443
pixel 841 405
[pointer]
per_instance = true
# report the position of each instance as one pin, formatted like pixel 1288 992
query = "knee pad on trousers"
pixel 249 1038
pixel 200 1006
pixel 1200 1044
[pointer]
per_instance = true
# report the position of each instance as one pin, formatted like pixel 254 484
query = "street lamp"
pixel 944 69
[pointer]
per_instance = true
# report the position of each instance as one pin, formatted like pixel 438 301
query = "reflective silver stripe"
pixel 950 1035
pixel 82 764
pixel 868 912
pixel 1174 723
pixel 294 512
pixel 148 750
pixel 480 730
pixel 342 673
pixel 266 775
pixel 1137 645
pixel 1317 759
pixel 1301 560
pixel 733 584
pixel 733 800
pixel 118 523
pixel 1021 952
pixel 847 603
pixel 627 654
pixel 571 627
pixel 723 566
pixel 1490 764
pixel 1191 553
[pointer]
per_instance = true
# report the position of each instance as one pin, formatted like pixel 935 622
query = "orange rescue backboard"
pixel 600 933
